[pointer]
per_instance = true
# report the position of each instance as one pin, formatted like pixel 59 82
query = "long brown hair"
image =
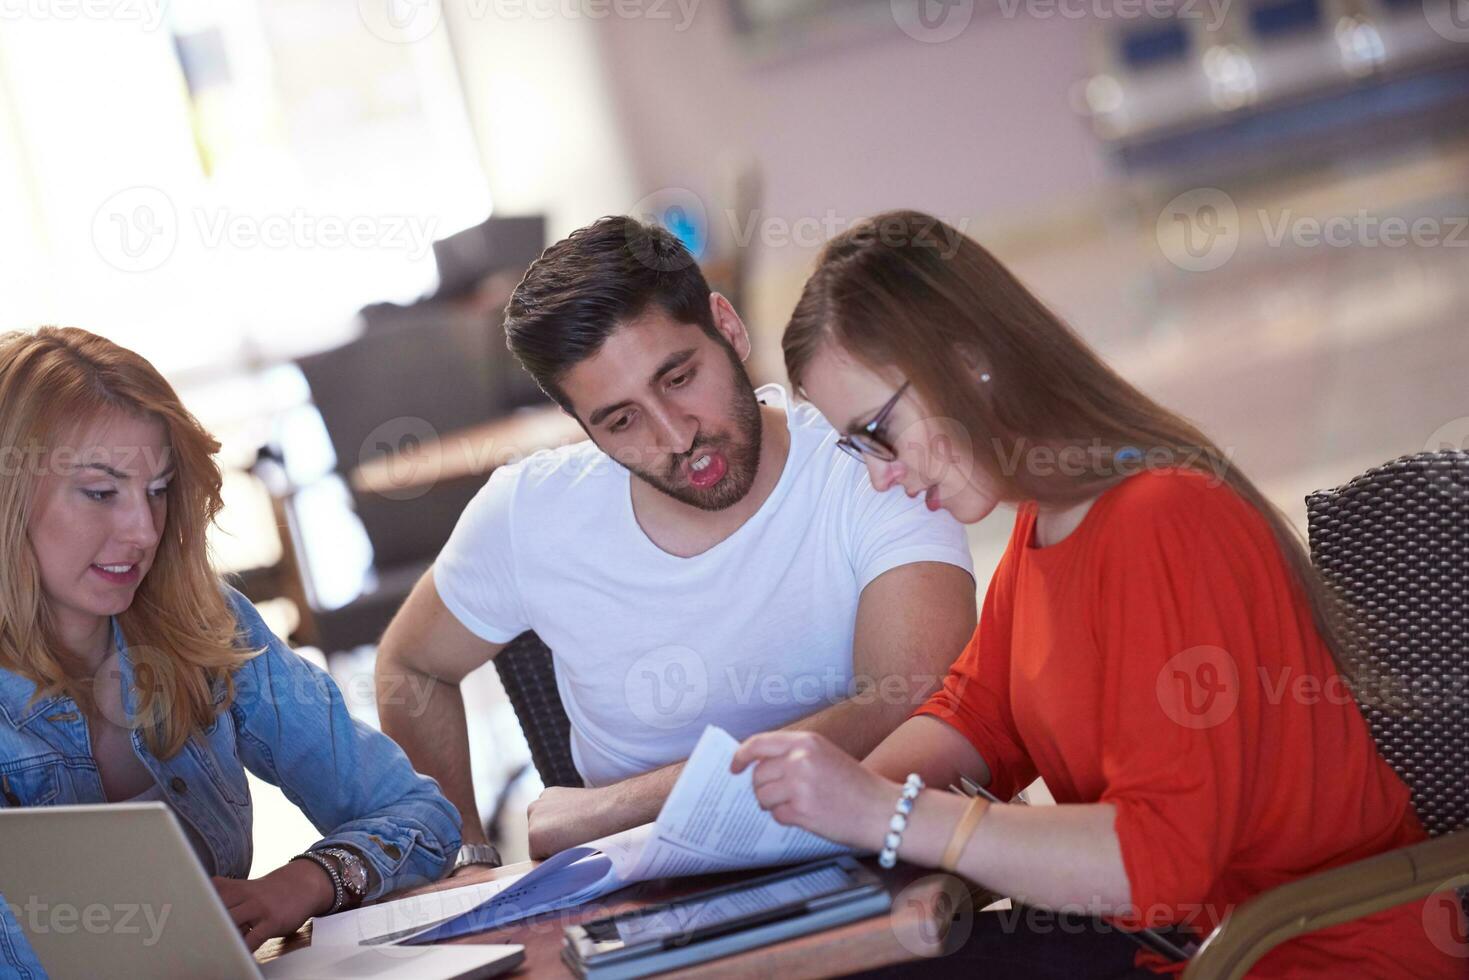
pixel 904 290
pixel 180 630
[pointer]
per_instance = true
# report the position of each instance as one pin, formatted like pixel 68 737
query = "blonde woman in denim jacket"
pixel 127 672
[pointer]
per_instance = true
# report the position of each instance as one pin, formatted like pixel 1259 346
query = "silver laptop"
pixel 115 890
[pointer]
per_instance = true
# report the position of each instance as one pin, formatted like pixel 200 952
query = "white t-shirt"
pixel 751 635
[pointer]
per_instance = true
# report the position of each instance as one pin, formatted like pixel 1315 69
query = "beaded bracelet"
pixel 899 822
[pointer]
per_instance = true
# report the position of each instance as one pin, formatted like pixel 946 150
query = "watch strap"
pixel 485 854
pixel 339 887
pixel 349 859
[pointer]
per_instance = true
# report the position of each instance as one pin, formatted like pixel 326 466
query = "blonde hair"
pixel 181 632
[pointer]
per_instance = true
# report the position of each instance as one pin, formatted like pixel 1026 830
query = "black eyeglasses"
pixel 870 441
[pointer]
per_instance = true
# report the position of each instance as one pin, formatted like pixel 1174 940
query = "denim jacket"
pixel 288 724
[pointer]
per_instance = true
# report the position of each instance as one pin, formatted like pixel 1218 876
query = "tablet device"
pixel 725 920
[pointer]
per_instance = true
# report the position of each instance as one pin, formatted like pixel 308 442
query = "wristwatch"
pixel 476 854
pixel 354 875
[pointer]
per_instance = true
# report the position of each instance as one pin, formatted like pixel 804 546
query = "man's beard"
pixel 741 451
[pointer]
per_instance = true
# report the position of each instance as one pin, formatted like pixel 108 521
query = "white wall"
pixel 541 111
pixel 978 129
pixel 76 143
pixel 977 125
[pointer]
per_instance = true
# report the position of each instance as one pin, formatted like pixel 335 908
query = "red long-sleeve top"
pixel 1160 659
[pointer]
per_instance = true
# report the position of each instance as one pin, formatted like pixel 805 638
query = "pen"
pixel 968 787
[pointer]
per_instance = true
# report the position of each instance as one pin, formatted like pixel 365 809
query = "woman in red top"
pixel 1154 644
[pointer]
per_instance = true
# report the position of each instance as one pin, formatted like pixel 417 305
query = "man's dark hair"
pixel 588 284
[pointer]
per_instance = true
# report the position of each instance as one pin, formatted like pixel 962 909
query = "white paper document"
pixel 713 822
pixel 710 822
pixel 405 915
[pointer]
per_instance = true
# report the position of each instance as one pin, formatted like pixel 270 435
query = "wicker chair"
pixel 529 677
pixel 1395 542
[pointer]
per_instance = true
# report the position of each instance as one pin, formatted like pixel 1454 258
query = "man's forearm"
pixel 564 818
pixel 860 723
pixel 637 799
pixel 435 735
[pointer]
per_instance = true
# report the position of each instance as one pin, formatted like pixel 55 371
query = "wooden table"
pixel 925 904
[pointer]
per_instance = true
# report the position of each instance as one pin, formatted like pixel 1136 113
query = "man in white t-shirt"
pixel 709 557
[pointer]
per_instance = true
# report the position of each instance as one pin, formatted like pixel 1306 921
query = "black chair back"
pixel 1395 543
pixel 529 678
pixel 412 382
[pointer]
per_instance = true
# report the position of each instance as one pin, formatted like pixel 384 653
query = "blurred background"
pixel 309 214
